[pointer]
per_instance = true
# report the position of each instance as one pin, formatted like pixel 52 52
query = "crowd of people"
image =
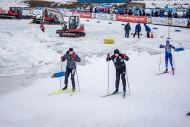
pixel 144 12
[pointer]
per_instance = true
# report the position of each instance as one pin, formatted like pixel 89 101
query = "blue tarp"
pixel 179 49
pixel 59 74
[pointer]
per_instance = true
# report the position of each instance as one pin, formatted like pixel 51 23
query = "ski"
pixel 58 91
pixel 72 93
pixel 124 95
pixel 111 94
pixel 164 73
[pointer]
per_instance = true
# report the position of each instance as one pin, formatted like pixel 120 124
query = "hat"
pixel 70 49
pixel 167 42
pixel 116 51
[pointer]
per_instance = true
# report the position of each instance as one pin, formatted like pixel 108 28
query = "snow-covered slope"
pixel 156 101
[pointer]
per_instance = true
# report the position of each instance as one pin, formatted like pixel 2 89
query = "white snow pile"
pixel 21 50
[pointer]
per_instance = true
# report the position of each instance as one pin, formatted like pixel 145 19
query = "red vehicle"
pixel 73 28
pixel 48 17
pixel 13 12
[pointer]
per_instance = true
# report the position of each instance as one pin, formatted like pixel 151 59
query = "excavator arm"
pixel 57 13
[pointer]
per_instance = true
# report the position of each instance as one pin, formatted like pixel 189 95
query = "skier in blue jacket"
pixel 147 28
pixel 137 30
pixel 168 55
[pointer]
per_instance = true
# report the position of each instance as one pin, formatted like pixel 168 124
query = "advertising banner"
pixel 149 19
pixel 129 18
pixel 113 17
pixel 37 12
pixel 68 14
pixel 25 12
pixel 104 16
pixel 158 20
pixel 83 15
pixel 169 21
pixel 179 22
pixel 94 15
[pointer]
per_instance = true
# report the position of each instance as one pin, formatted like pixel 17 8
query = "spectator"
pixel 108 10
pixel 176 15
pixel 127 30
pixel 156 13
pixel 169 14
pixel 147 28
pixel 140 12
pixel 42 27
pixel 143 13
pixel 137 30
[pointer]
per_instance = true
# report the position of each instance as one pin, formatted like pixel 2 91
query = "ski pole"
pixel 77 80
pixel 108 77
pixel 61 76
pixel 173 62
pixel 160 57
pixel 77 75
pixel 127 79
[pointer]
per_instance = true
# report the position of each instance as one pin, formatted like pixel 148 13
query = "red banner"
pixel 83 15
pixel 129 18
pixel 2 11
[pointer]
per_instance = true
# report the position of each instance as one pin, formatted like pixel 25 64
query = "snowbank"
pixel 159 101
pixel 25 49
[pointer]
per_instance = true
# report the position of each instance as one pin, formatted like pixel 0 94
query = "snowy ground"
pixel 29 57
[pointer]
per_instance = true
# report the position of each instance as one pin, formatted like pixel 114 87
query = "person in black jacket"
pixel 127 30
pixel 118 59
pixel 71 58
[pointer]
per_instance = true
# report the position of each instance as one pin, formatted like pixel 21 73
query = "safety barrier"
pixel 108 41
pixel 136 19
pixel 177 30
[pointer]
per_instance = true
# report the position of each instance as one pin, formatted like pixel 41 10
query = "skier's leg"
pixel 117 80
pixel 123 80
pixel 171 63
pixel 66 77
pixel 125 33
pixel 73 78
pixel 166 61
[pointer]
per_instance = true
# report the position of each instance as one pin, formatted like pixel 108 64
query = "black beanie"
pixel 116 51
pixel 70 49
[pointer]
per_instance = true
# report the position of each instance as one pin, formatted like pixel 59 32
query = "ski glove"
pixel 108 57
pixel 124 55
pixel 161 46
pixel 62 59
pixel 74 56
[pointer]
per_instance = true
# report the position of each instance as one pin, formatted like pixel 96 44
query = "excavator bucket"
pixel 31 22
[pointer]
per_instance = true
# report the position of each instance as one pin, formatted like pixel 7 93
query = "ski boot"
pixel 73 90
pixel 65 88
pixel 166 71
pixel 173 70
pixel 124 90
pixel 115 92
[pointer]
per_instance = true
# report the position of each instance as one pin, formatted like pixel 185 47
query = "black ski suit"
pixel 71 67
pixel 120 69
pixel 127 30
